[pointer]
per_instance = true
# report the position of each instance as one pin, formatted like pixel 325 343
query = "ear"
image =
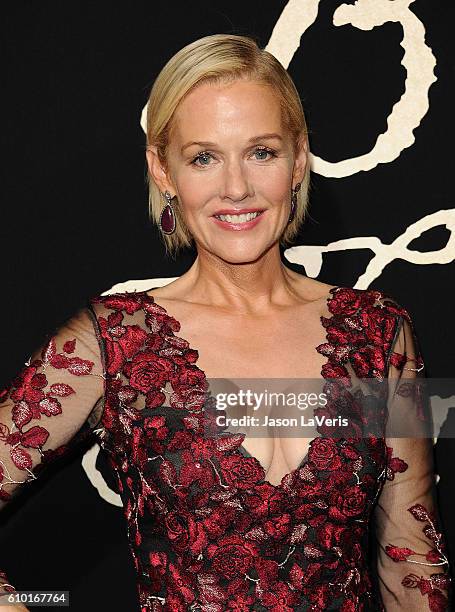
pixel 157 171
pixel 301 160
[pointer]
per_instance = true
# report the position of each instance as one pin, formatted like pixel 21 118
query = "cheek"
pixel 274 187
pixel 195 191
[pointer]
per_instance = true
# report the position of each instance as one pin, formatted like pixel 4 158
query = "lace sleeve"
pixel 51 405
pixel 412 563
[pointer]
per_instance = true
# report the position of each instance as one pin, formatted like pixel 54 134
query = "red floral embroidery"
pixel 33 396
pixel 254 545
pixel 207 531
pixel 324 454
pixel 394 464
pixel 431 586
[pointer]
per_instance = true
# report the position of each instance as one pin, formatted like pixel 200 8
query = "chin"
pixel 240 256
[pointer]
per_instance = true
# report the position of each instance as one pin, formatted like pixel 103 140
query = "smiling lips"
pixel 238 221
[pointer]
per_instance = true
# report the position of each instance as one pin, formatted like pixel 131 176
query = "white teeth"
pixel 238 218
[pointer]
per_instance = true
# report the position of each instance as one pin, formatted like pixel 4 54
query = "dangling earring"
pixel 167 217
pixel 294 202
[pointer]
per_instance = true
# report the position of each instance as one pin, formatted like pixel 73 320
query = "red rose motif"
pixel 324 454
pixel 148 370
pixel 132 340
pixel 311 574
pixel 350 502
pixel 115 358
pixel 241 472
pixel 232 556
pixel 267 570
pixel 369 361
pixel 377 359
pixel 345 301
pixel 158 320
pixel 185 534
pixel 191 355
pixel 376 448
pixel 180 439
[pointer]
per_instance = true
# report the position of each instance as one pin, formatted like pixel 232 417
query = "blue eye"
pixel 200 155
pixel 206 155
pixel 265 150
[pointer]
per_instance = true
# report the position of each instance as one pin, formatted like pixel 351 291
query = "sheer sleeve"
pixel 412 563
pixel 52 405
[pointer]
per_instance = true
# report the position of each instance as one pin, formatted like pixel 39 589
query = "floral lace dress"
pixel 206 530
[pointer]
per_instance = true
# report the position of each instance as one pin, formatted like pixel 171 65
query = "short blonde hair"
pixel 219 59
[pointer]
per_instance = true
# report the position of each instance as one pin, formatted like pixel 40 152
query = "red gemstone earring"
pixel 167 218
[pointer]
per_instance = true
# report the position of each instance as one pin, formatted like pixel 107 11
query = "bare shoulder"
pixel 312 290
pixel 175 290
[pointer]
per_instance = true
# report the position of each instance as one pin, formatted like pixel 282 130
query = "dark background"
pixel 74 221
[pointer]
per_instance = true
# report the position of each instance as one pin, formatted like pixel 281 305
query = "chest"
pixel 280 346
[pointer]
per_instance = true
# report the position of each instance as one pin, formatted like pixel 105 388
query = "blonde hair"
pixel 219 59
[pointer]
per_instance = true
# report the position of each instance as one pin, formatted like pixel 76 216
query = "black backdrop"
pixel 75 79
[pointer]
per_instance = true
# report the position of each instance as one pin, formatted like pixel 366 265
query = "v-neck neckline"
pixel 289 475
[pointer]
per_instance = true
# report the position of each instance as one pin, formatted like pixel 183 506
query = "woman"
pixel 230 522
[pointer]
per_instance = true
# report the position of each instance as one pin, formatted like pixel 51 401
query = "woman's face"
pixel 230 153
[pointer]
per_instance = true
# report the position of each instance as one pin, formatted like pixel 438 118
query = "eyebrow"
pixel 250 141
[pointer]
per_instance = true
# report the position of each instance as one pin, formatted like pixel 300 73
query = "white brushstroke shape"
pixel 97 479
pixel 310 256
pixel 418 60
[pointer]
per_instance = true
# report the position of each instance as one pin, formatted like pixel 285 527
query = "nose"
pixel 234 181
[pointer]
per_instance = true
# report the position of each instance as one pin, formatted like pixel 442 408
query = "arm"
pixel 412 563
pixel 48 408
